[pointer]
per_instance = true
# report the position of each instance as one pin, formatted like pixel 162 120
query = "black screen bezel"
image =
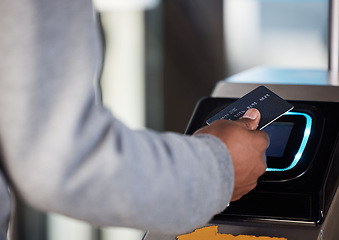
pixel 293 143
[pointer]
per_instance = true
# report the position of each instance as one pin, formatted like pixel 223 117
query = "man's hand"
pixel 246 146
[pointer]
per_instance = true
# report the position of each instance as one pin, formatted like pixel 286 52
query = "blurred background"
pixel 162 56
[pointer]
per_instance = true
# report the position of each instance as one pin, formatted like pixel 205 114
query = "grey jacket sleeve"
pixel 67 154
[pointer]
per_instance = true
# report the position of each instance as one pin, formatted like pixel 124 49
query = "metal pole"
pixel 334 43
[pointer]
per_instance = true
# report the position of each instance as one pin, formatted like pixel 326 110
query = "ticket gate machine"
pixel 297 198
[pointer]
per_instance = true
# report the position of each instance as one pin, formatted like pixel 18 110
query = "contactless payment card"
pixel 270 105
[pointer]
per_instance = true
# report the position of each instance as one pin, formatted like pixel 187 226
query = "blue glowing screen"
pixel 279 133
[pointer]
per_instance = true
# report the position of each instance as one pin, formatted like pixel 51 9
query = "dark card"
pixel 270 105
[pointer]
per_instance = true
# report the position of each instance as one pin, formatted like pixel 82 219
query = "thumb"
pixel 250 119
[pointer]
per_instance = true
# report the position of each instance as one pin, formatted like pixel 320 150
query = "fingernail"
pixel 251 114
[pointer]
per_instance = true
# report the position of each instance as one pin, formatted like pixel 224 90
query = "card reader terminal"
pixel 301 176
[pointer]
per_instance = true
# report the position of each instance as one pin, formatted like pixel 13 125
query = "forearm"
pixel 117 177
